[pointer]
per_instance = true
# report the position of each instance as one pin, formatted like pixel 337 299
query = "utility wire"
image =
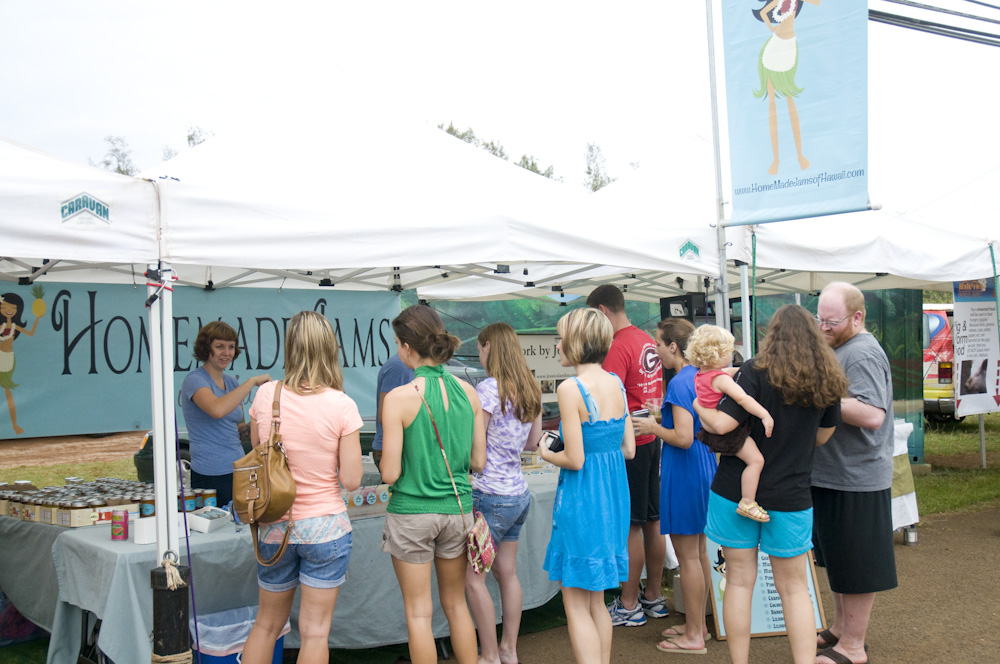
pixel 941 29
pixel 984 4
pixel 951 12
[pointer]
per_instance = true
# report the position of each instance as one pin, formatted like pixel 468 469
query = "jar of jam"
pixel 147 505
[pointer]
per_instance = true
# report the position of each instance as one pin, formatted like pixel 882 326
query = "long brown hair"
pixel 798 361
pixel 505 362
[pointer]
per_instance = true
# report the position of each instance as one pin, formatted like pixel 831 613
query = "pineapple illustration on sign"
pixel 11 327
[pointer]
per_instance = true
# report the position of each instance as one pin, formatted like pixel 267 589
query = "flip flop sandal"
pixel 829 638
pixel 671 632
pixel 753 511
pixel 839 658
pixel 678 649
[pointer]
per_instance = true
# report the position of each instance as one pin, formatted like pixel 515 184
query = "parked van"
pixel 939 367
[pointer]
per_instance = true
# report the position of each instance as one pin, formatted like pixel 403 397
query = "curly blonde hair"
pixel 708 345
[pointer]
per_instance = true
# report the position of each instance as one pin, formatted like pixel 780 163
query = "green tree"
pixel 118 158
pixel 938 297
pixel 597 175
pixel 527 161
pixel 196 135
pixel 530 163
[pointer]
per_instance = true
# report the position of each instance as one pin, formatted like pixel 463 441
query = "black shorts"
pixel 643 473
pixel 852 536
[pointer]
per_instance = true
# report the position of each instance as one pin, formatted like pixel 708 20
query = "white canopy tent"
pixel 401 207
pixel 49 212
pixel 61 221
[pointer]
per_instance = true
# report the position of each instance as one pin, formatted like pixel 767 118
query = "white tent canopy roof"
pixel 406 205
pixel 38 189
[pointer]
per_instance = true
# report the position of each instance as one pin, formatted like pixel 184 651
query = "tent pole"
pixel 746 319
pixel 160 467
pixel 161 361
pixel 722 291
pixel 167 377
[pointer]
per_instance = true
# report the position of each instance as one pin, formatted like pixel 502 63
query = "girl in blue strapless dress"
pixel 588 551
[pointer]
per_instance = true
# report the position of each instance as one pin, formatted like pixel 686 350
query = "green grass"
pixel 42 476
pixel 32 652
pixel 954 438
pixel 957 481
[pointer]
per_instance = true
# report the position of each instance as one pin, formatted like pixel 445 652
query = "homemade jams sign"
pixel 74 358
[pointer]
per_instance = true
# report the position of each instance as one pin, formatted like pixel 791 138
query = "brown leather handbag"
pixel 263 487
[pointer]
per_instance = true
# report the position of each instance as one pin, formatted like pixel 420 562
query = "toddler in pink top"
pixel 710 349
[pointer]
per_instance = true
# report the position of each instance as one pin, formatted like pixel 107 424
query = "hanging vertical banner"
pixel 977 347
pixel 797 100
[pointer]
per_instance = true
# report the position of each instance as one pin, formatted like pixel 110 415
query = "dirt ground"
pixel 68 449
pixel 946 608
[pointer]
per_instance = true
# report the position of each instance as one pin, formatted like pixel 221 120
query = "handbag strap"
pixel 274 440
pixel 443 454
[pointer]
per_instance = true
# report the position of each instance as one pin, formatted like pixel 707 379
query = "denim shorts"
pixel 786 535
pixel 321 565
pixel 504 514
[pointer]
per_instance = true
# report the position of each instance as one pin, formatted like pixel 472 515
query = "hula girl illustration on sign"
pixel 11 327
pixel 776 65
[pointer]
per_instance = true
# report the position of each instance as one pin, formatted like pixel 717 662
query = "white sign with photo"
pixel 543 360
pixel 977 348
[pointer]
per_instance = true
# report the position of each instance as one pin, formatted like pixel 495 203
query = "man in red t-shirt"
pixel 634 360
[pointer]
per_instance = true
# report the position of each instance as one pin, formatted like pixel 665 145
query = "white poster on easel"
pixel 543 360
pixel 766 615
pixel 977 348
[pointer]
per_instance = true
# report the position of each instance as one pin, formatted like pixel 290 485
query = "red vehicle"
pixel 939 367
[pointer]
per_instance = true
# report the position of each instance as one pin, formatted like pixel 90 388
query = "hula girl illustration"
pixel 11 327
pixel 776 65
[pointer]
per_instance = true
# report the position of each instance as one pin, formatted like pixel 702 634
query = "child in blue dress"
pixel 588 552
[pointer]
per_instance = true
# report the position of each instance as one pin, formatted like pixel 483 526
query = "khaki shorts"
pixel 419 538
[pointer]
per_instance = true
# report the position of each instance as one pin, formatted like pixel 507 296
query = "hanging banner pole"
pixel 722 288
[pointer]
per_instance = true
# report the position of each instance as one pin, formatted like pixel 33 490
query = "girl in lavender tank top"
pixel 512 409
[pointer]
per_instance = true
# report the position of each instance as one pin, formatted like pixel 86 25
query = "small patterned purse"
pixel 479 544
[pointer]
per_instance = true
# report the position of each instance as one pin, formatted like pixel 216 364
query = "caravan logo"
pixel 85 210
pixel 689 251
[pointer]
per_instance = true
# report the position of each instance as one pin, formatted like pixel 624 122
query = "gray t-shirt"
pixel 858 459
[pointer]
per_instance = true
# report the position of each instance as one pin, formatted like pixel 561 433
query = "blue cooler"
pixel 221 635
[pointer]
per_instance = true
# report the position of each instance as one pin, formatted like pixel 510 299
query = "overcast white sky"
pixel 543 78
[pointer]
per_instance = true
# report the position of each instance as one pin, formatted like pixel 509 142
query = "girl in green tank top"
pixel 423 486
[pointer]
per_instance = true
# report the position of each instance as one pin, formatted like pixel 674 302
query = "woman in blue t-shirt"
pixel 212 403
